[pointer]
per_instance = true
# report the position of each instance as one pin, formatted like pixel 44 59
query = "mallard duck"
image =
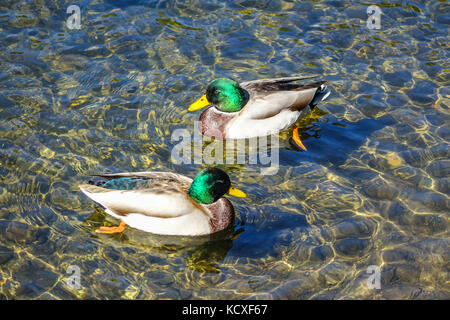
pixel 166 203
pixel 256 108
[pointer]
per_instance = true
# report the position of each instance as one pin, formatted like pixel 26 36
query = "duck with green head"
pixel 256 108
pixel 166 203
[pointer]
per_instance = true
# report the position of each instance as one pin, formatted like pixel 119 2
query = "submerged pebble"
pixel 439 169
pixel 6 254
pixel 380 189
pixel 352 247
pixel 18 232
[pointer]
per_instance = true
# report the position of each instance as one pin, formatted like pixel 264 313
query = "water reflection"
pixel 201 253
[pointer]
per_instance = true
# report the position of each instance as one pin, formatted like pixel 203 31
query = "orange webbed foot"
pixel 112 230
pixel 296 138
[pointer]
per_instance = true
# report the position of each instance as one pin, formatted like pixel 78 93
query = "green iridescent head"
pixel 210 185
pixel 225 94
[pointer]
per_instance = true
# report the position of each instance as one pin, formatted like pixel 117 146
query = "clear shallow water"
pixel 372 189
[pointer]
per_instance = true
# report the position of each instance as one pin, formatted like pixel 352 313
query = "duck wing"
pixel 155 177
pixel 274 84
pixel 156 194
pixel 271 96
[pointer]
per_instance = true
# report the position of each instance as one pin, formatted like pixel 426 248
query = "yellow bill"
pixel 236 192
pixel 200 103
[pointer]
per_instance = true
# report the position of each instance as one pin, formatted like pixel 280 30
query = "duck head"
pixel 210 185
pixel 225 94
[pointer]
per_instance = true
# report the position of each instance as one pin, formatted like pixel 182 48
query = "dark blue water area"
pixel 330 142
pixel 261 237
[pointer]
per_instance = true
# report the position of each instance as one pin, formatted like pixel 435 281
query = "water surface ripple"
pixel 372 189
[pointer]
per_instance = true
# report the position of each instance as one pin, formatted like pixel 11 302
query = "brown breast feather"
pixel 222 214
pixel 212 123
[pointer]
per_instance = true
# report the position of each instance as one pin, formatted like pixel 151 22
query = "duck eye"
pixel 216 91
